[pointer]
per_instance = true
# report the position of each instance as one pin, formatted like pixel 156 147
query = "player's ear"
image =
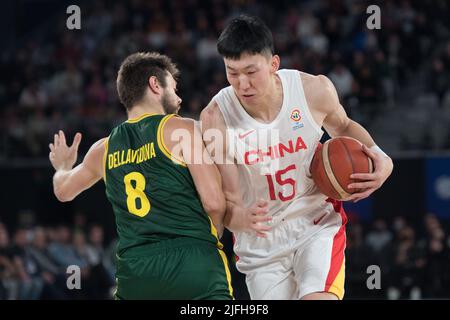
pixel 275 63
pixel 154 84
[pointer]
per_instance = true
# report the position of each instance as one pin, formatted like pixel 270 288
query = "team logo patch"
pixel 296 117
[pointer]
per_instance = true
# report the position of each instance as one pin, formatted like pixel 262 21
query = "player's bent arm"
pixel 335 120
pixel 69 183
pixel 211 119
pixel 204 172
pixel 238 218
pixel 337 123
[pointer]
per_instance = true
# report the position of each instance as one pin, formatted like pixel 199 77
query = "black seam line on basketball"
pixel 347 152
pixel 344 192
pixel 326 154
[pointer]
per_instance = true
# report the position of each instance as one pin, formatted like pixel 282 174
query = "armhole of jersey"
pixel 104 158
pixel 222 110
pixel 162 146
pixel 307 108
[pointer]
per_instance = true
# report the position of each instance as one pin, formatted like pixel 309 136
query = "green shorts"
pixel 181 268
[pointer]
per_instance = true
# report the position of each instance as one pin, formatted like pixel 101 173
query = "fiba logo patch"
pixel 296 117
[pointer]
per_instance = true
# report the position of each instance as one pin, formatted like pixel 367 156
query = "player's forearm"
pixel 233 217
pixel 61 185
pixel 355 130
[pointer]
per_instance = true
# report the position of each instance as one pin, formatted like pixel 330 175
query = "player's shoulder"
pixel 96 154
pixel 211 116
pixel 319 90
pixel 318 82
pixel 100 144
pixel 211 110
pixel 177 122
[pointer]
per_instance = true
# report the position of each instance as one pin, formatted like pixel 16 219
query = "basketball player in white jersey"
pixel 289 238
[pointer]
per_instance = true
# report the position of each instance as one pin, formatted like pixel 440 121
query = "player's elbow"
pixel 63 196
pixel 215 209
pixel 214 204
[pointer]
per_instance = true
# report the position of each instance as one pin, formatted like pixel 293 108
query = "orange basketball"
pixel 334 162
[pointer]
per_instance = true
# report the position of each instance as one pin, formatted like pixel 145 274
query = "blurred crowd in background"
pixel 412 263
pixel 34 262
pixel 395 81
pixel 57 78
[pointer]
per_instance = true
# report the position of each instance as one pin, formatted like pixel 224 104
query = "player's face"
pixel 170 101
pixel 251 76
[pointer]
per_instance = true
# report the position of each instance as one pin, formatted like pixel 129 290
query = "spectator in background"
pixel 398 223
pixel 358 258
pixel 439 79
pixel 318 42
pixel 436 280
pixel 63 252
pixel 54 277
pixel 408 262
pixel 66 87
pixel 79 222
pixel 97 94
pixel 307 25
pixel 95 247
pixel 96 280
pixel 9 283
pixel 31 282
pixel 379 237
pixel 342 80
pixel 103 282
pixel 33 96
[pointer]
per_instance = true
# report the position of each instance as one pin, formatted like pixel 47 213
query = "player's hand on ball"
pixel 256 218
pixel 62 156
pixel 369 182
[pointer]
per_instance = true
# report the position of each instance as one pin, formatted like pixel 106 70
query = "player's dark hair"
pixel 245 34
pixel 136 69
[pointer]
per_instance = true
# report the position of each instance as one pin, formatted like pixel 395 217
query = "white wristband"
pixel 376 148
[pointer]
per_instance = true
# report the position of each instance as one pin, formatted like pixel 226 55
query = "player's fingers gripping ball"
pixel 334 162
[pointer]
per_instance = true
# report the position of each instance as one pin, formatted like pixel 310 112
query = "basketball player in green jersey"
pixel 168 210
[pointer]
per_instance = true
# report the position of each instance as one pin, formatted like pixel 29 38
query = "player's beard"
pixel 169 105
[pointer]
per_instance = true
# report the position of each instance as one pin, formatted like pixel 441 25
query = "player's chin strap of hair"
pixel 376 148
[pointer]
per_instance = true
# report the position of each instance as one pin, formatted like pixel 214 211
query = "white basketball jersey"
pixel 273 159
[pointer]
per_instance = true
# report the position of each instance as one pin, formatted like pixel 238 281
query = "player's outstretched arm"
pixel 337 123
pixel 238 218
pixel 184 133
pixel 68 182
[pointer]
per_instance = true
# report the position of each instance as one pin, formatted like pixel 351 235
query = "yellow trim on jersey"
pixel 338 284
pixel 143 116
pixel 214 233
pixel 104 158
pixel 227 271
pixel 162 146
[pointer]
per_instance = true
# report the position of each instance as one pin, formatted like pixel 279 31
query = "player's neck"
pixel 139 110
pixel 266 108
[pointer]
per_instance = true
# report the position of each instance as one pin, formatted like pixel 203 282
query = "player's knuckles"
pixel 261 211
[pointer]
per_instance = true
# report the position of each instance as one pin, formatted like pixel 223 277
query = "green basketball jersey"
pixel 153 197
